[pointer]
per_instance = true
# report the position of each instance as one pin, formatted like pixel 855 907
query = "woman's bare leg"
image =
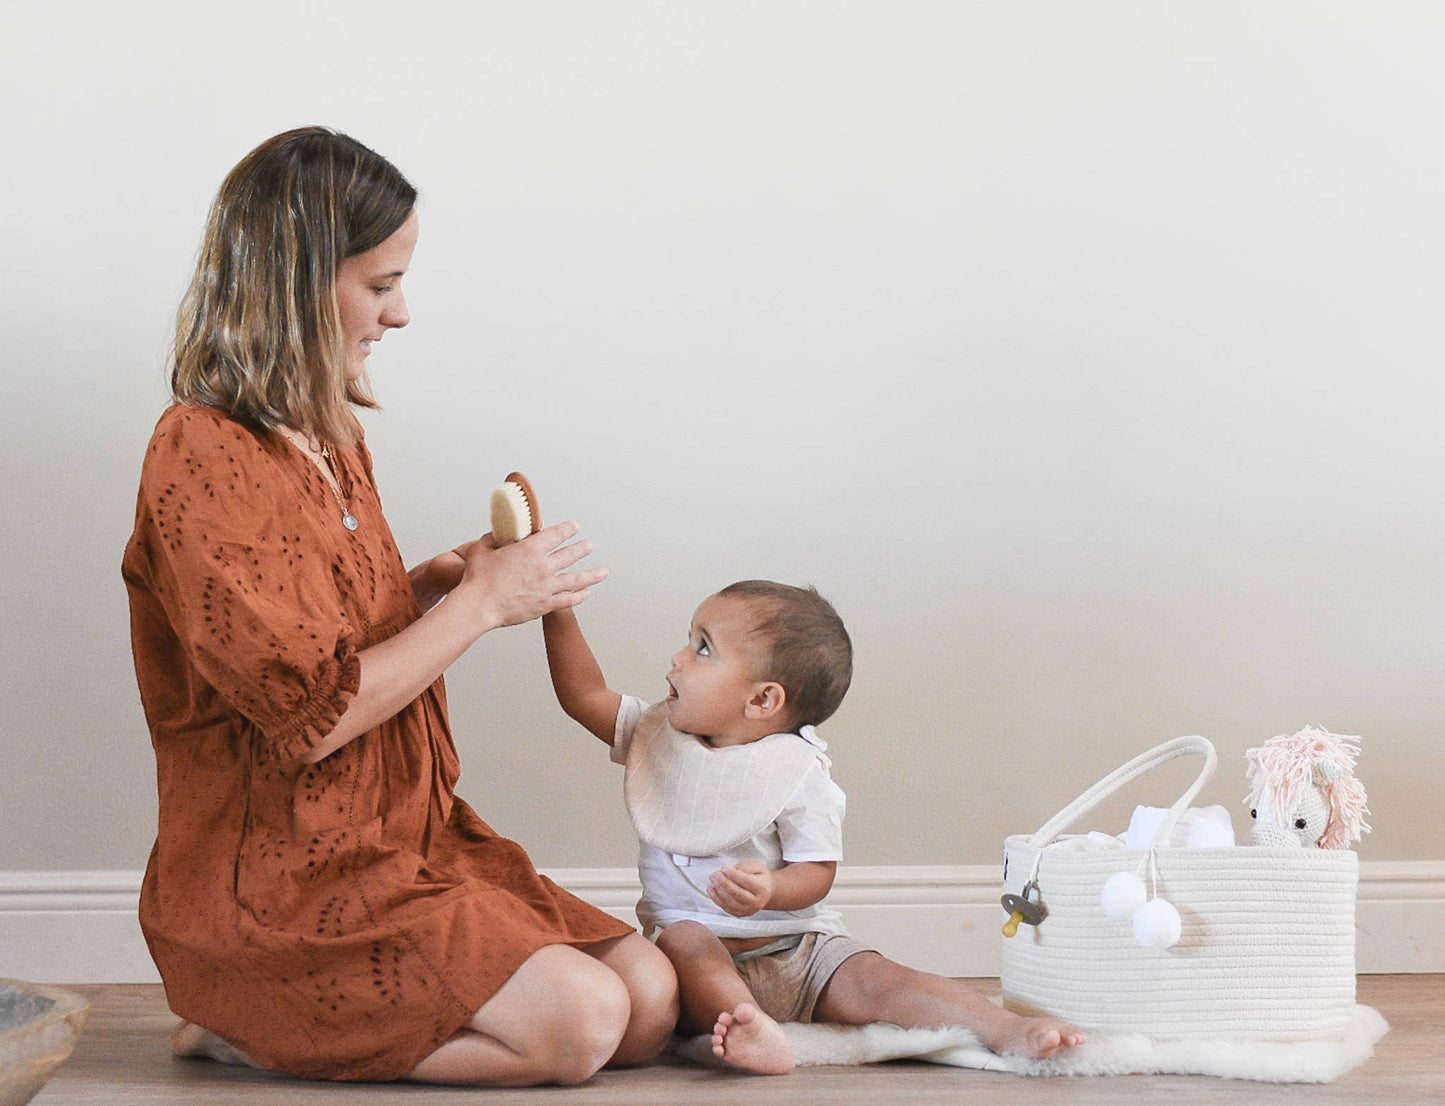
pixel 652 994
pixel 191 1040
pixel 868 988
pixel 560 1017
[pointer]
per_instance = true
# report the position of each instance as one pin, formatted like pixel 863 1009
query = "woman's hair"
pixel 811 654
pixel 259 331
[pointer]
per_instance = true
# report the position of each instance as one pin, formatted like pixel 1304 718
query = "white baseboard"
pixel 81 927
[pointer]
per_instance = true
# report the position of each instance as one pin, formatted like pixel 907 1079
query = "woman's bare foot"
pixel 749 1039
pixel 1032 1038
pixel 192 1040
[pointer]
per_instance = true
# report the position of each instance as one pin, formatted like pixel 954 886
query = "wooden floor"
pixel 123 1059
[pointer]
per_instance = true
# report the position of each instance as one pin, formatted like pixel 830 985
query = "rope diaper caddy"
pixel 1263 945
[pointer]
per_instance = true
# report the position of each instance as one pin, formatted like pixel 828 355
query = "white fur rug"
pixel 1317 1061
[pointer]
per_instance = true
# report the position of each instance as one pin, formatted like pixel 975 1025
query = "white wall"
pixel 1087 355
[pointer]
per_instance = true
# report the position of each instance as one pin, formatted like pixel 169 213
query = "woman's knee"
pixel 590 1026
pixel 651 986
pixel 562 1010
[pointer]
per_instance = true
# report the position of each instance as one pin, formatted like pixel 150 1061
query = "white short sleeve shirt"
pixel 809 828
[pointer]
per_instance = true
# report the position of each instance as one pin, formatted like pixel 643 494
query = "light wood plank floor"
pixel 123 1059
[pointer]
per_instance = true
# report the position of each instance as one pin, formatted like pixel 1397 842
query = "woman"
pixel 318 900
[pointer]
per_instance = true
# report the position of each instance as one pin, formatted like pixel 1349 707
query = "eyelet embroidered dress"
pixel 338 920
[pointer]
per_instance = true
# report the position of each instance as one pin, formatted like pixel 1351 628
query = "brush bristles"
pixel 511 514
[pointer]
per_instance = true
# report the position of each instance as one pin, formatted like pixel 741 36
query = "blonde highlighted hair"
pixel 259 332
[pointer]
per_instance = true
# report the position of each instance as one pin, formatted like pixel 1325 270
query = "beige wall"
pixel 1088 356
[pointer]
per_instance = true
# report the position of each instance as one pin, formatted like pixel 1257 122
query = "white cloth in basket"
pixel 1199 827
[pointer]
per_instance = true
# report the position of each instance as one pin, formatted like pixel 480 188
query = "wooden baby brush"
pixel 515 512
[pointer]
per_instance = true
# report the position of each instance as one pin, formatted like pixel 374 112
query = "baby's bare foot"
pixel 749 1039
pixel 192 1040
pixel 1034 1038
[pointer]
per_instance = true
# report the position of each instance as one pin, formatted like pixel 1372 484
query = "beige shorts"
pixel 786 982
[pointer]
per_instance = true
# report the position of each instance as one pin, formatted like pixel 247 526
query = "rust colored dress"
pixel 333 921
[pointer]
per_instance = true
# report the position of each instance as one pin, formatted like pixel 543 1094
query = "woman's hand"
pixel 498 587
pixel 526 579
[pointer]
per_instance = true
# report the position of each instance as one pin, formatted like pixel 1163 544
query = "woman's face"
pixel 368 293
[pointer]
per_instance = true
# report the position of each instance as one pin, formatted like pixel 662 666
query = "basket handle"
pixel 1144 762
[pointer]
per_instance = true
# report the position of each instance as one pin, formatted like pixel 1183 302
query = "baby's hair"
pixel 811 654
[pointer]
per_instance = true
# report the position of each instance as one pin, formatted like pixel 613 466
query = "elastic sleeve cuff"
pixel 306 726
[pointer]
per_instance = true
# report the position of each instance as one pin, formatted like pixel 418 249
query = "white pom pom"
pixel 1123 894
pixel 1157 925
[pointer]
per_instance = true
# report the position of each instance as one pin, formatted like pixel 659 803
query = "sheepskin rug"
pixel 1315 1061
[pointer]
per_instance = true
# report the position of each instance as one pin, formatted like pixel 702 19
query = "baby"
pixel 727 785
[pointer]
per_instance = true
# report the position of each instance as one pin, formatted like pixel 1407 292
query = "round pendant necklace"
pixel 350 521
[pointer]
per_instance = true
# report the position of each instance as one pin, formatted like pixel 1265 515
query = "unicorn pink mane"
pixel 1288 765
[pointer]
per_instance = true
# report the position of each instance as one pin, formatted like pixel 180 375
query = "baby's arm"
pixel 577 677
pixel 433 580
pixel 745 888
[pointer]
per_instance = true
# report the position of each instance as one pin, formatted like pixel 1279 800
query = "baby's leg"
pixel 867 988
pixel 714 998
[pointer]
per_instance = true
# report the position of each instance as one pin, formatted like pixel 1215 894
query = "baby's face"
pixel 715 674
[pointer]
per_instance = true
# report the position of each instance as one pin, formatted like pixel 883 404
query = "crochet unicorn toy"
pixel 1304 791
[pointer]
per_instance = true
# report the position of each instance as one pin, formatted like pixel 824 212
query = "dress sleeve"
pixel 231 547
pixel 810 826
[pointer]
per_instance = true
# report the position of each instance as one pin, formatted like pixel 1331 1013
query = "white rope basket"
pixel 1267 942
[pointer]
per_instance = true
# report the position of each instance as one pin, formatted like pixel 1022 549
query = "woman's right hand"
pixel 499 587
pixel 528 578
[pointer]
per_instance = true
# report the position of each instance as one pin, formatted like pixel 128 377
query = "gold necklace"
pixel 350 521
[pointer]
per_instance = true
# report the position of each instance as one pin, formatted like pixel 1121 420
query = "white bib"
pixel 686 797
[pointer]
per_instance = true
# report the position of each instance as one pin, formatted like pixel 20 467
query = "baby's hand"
pixel 448 568
pixel 742 889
